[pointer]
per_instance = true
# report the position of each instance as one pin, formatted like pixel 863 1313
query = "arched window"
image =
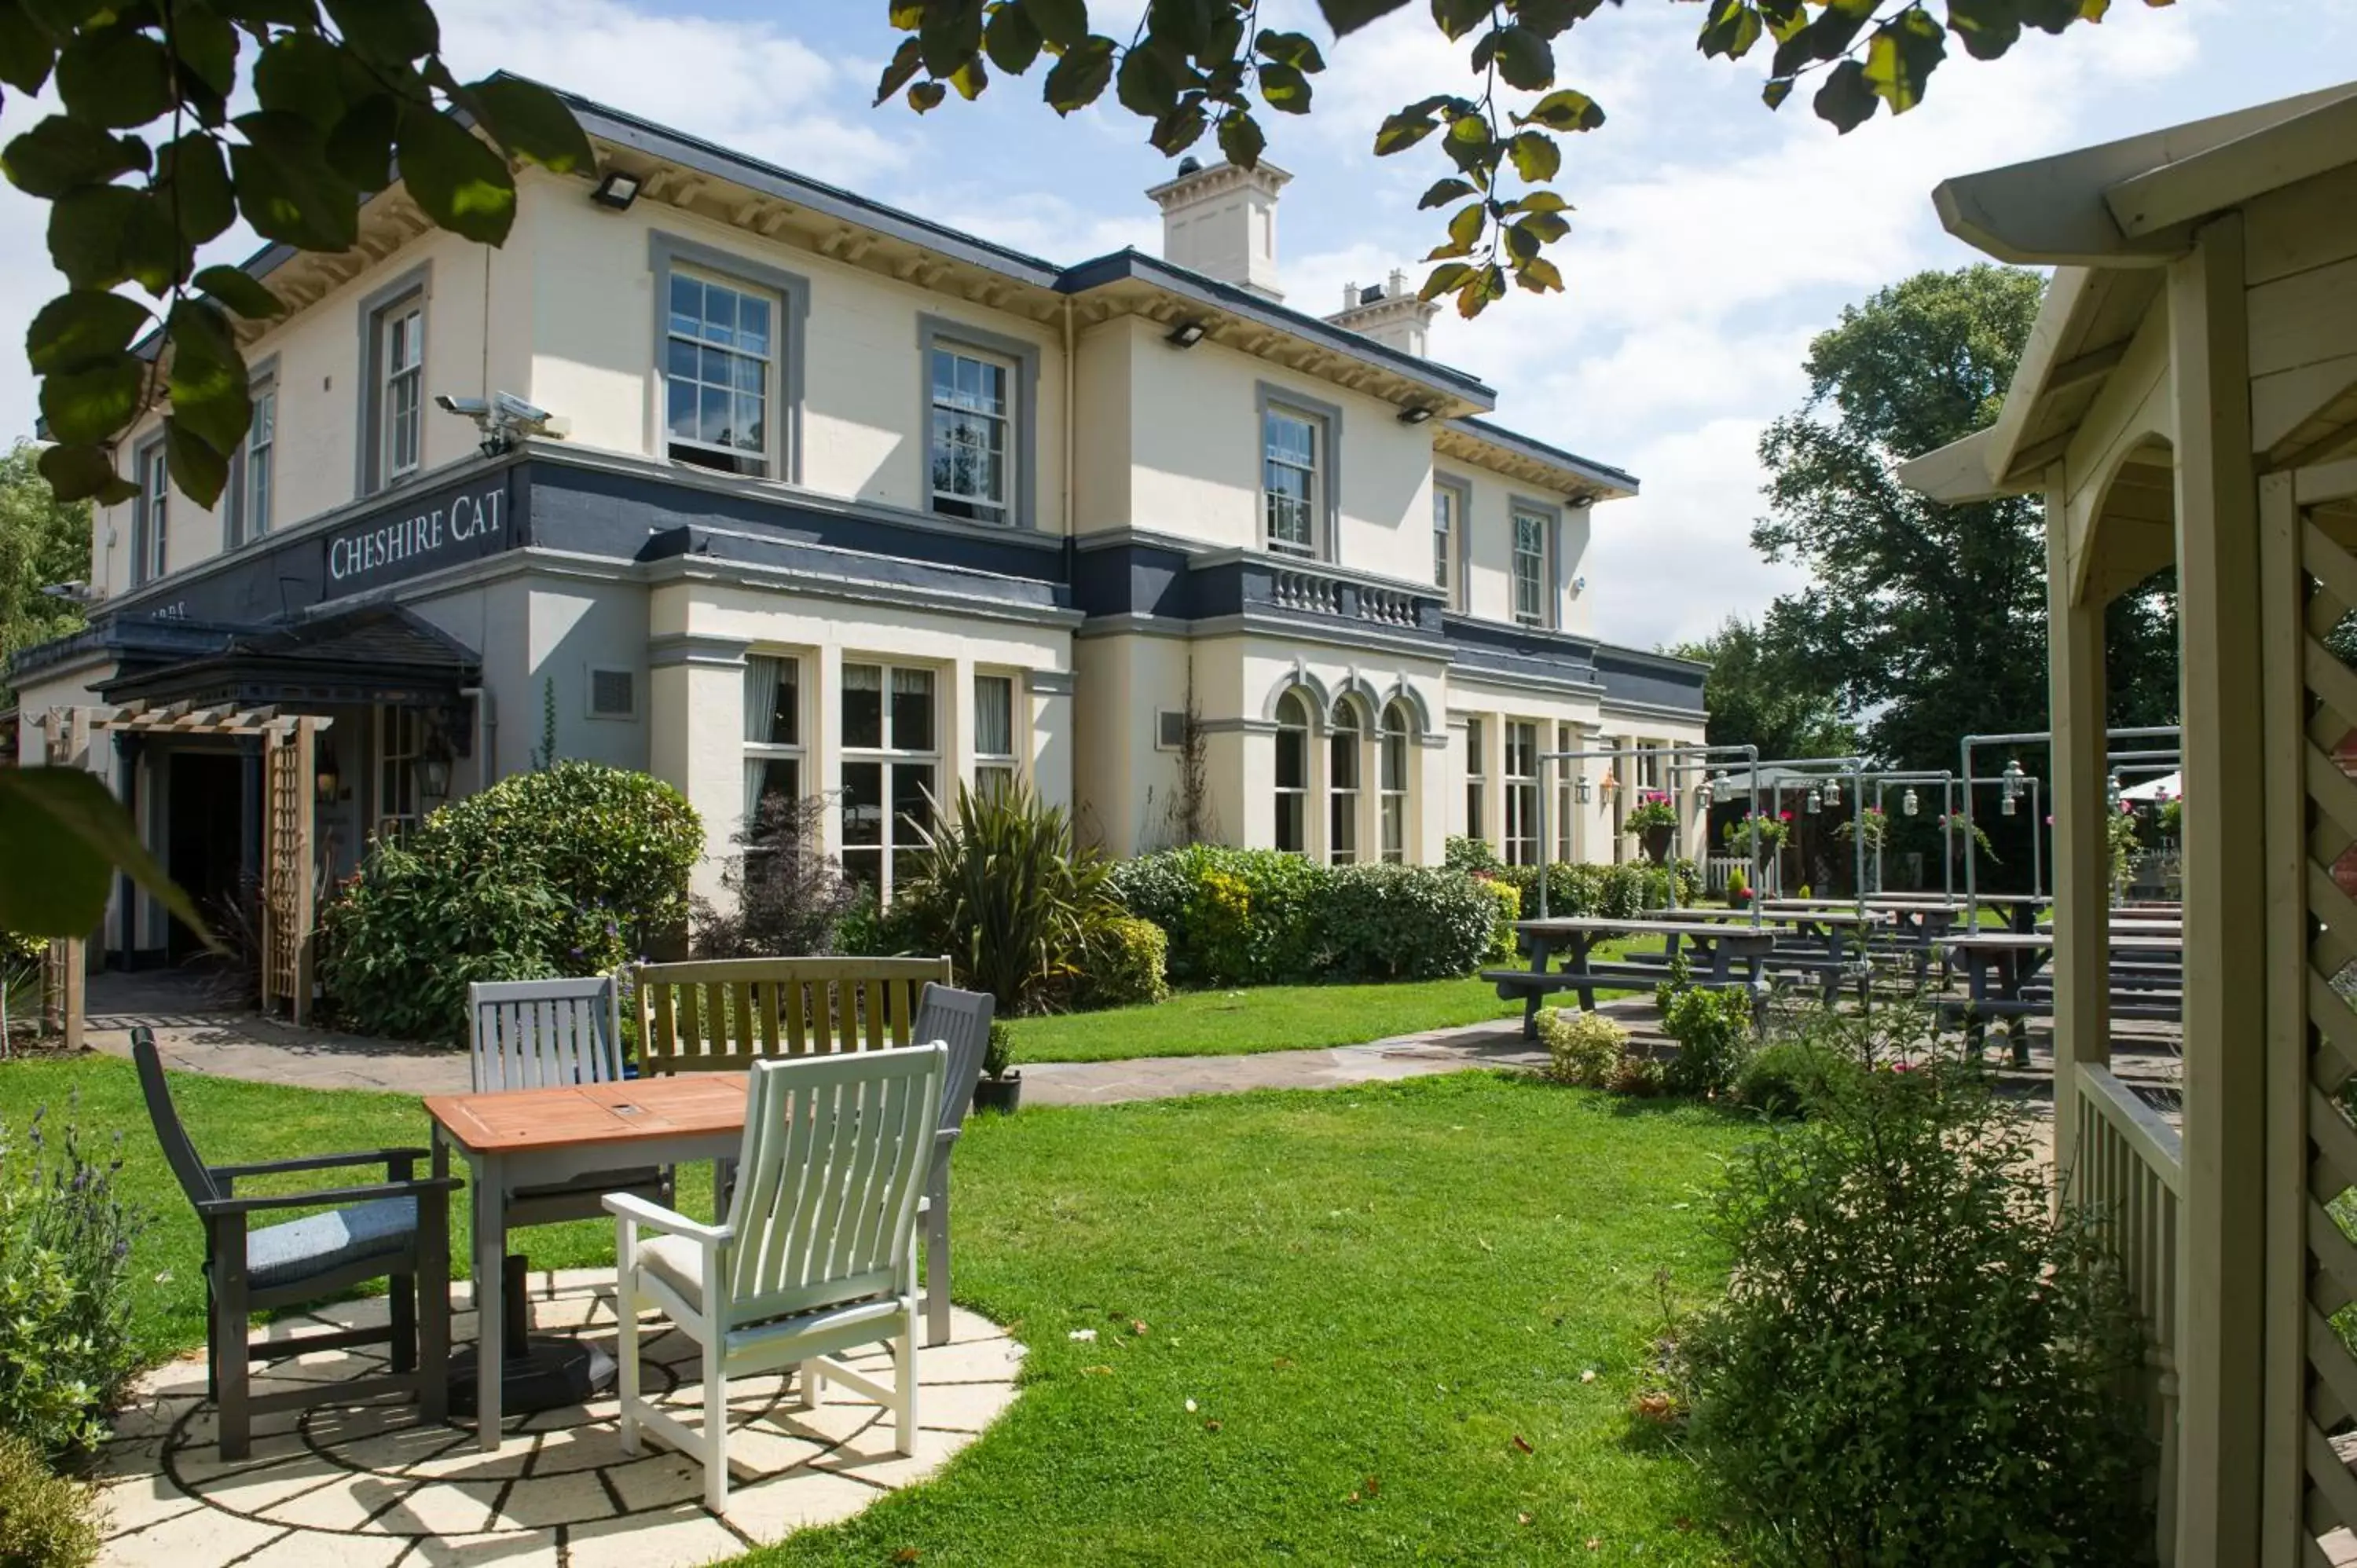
pixel 1342 784
pixel 1392 782
pixel 1292 774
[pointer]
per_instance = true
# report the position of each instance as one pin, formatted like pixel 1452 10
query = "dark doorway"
pixel 205 837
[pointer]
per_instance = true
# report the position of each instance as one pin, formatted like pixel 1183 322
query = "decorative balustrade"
pixel 2128 1174
pixel 1306 591
pixel 1386 607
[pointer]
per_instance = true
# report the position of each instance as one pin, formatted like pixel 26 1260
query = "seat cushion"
pixel 678 1263
pixel 286 1254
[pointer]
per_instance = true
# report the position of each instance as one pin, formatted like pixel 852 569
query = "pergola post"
pixel 2082 1023
pixel 2220 620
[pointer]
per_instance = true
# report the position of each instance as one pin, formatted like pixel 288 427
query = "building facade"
pixel 839 501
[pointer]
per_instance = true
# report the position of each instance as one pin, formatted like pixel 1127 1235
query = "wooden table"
pixel 2001 965
pixel 532 1137
pixel 1718 947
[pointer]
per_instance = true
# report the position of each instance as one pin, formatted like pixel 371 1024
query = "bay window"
pixel 773 730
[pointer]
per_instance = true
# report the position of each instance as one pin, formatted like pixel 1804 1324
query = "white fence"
pixel 1719 869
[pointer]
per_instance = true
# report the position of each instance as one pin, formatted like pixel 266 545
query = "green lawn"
pixel 1268 1018
pixel 1392 1290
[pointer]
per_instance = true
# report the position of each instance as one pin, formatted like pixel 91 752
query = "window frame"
pixel 1550 530
pixel 765 454
pixel 1005 767
pixel 412 288
pixel 1346 740
pixel 797 750
pixel 400 744
pixel 890 757
pixel 1459 491
pixel 1020 358
pixel 151 512
pixel 1520 843
pixel 1477 777
pixel 1325 421
pixel 1392 800
pixel 782 419
pixel 1291 800
pixel 243 522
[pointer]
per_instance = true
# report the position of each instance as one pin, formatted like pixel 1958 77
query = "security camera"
pixel 72 592
pixel 474 408
pixel 504 419
pixel 513 407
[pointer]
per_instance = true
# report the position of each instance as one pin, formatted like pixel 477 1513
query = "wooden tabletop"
pixel 1570 924
pixel 513 1120
pixel 1994 941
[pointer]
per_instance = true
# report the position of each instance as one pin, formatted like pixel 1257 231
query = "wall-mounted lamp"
pixel 616 190
pixel 434 777
pixel 1415 415
pixel 326 786
pixel 1186 335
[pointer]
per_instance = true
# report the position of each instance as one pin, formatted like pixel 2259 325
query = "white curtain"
pixel 993 715
pixel 762 678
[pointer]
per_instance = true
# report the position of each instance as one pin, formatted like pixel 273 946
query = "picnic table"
pixel 532 1137
pixel 1826 930
pixel 1718 949
pixel 2002 969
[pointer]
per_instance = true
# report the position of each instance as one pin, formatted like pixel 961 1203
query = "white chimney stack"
pixel 1390 314
pixel 1222 222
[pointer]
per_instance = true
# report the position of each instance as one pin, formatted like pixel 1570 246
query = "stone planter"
pixel 1003 1095
pixel 1656 843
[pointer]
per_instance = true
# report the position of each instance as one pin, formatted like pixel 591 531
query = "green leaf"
pixel 206 46
pixel 1443 191
pixel 59 154
pixel 1404 130
pixel 1901 56
pixel 1063 23
pixel 1457 17
pixel 302 73
pixel 459 182
pixel 1241 139
pixel 1447 275
pixel 286 189
pixel 96 402
pixel 1081 77
pixel 101 235
pixel 1488 284
pixel 26 53
pixel 1539 275
pixel 200 469
pixel 1350 15
pixel 1536 157
pixel 81 471
pixel 1775 91
pixel 1181 128
pixel 82 328
pixel 1548 19
pixel 925 95
pixel 1847 99
pixel 62 838
pixel 360 149
pixel 1295 49
pixel 1011 39
pixel 1147 84
pixel 1545 227
pixel 1733 27
pixel 1464 226
pixel 192 182
pixel 1524 59
pixel 208 381
pixel 971 78
pixel 532 124
pixel 114 76
pixel 900 70
pixel 241 291
pixel 1564 110
pixel 1538 201
pixel 271 13
pixel 1469 147
pixel 1285 89
pixel 391 32
pixel 1988 27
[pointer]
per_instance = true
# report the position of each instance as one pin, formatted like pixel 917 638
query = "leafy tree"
pixel 1930 620
pixel 43 541
pixel 1757 692
pixel 1193 68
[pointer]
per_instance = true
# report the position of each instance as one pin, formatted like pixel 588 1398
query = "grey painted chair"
pixel 960 1020
pixel 396 1229
pixel 537 1033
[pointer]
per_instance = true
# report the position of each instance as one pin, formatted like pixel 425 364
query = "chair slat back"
pixel 179 1152
pixel 539 1034
pixel 960 1020
pixel 724 1015
pixel 836 1151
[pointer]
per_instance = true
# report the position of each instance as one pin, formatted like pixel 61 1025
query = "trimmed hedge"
pixel 1127 961
pixel 1618 892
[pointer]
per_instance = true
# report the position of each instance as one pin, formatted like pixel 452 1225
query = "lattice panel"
pixel 2329 753
pixel 286 867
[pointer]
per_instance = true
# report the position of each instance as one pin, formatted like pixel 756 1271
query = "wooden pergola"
pixel 288 867
pixel 2189 399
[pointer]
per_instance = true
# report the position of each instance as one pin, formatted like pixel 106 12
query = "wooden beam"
pixel 2088 365
pixel 2232 173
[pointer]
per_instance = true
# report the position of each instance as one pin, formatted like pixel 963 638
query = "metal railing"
pixel 2128 1175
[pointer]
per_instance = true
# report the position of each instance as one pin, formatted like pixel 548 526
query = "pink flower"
pixel 1783 816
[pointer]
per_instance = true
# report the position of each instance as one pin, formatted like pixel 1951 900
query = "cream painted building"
pixel 848 503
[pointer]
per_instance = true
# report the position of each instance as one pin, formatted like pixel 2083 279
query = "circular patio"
pixel 368 1484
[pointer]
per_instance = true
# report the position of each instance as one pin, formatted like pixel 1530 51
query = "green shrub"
pixel 1502 942
pixel 1713 1031
pixel 1638 1077
pixel 999 1051
pixel 1916 1361
pixel 65 1290
pixel 787 896
pixel 573 870
pixel 1234 917
pixel 46 1521
pixel 1461 853
pixel 1402 922
pixel 1001 886
pixel 1125 964
pixel 1584 1048
pixel 1619 892
pixel 1792 1078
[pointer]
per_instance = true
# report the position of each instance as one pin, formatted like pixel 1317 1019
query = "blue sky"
pixel 1712 238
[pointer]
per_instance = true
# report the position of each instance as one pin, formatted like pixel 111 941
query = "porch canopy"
pixel 2188 398
pixel 380 654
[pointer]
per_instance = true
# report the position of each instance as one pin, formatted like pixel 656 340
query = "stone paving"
pixel 368 1487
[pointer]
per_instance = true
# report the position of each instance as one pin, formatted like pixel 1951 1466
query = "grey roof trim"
pixel 1522 446
pixel 1647 656
pixel 1134 266
pixel 1654 710
pixel 852 590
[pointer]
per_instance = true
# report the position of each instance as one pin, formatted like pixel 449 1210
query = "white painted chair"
pixel 538 1034
pixel 817 1254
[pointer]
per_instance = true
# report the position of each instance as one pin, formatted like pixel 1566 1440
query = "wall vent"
pixel 613 694
pixel 1169 730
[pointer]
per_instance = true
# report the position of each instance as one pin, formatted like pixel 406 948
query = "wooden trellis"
pixel 289 869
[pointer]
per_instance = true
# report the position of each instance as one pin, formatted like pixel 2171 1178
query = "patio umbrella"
pixel 2167 788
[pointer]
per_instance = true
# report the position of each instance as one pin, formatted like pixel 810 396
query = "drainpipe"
pixel 1071 370
pixel 486 725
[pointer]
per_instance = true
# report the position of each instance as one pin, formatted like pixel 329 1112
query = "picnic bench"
pixel 1716 950
pixel 2005 978
pixel 1814 936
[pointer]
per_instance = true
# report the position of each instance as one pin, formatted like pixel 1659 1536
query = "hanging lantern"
pixel 2014 778
pixel 1704 794
pixel 1584 789
pixel 2111 790
pixel 1816 801
pixel 1833 791
pixel 1910 802
pixel 2007 806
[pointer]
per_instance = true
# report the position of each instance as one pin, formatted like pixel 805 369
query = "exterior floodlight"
pixel 1910 803
pixel 1186 335
pixel 1415 415
pixel 616 191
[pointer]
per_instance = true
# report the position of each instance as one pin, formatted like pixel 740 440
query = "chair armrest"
pixel 655 1217
pixel 438 1187
pixel 323 1162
